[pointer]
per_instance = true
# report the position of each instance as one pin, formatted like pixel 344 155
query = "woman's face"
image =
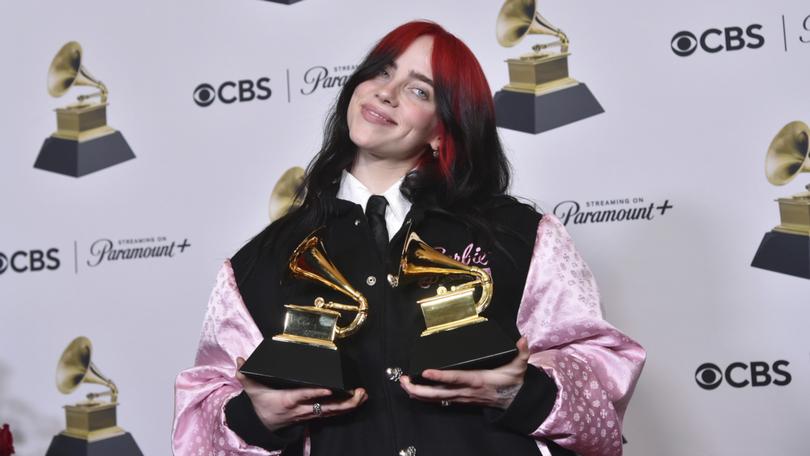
pixel 393 115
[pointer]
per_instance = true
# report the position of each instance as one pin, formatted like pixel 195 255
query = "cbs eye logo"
pixel 229 92
pixel 709 376
pixel 714 40
pixel 30 260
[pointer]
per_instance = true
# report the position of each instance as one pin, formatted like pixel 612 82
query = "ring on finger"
pixel 316 409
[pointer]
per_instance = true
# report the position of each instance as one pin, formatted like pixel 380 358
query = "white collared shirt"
pixel 353 190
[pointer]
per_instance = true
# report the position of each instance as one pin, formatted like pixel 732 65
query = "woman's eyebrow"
pixel 421 77
pixel 414 74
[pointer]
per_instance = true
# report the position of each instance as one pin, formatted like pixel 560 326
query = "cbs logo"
pixel 714 40
pixel 232 91
pixel 756 373
pixel 32 260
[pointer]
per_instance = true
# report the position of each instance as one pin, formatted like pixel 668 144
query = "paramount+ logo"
pixel 229 92
pixel 714 40
pixel 710 376
pixel 34 260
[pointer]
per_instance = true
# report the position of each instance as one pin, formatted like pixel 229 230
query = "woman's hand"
pixel 278 408
pixel 490 387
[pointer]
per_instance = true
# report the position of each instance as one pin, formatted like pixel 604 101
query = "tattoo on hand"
pixel 506 394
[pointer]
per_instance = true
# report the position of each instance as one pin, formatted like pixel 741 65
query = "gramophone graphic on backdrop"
pixel 540 94
pixel 92 428
pixel 83 142
pixel 786 248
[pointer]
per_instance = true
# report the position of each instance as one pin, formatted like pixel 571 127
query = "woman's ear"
pixel 435 143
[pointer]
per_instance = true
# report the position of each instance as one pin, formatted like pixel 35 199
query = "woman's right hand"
pixel 278 408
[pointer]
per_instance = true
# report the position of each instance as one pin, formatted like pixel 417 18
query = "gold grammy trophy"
pixel 91 424
pixel 305 354
pixel 786 248
pixel 456 335
pixel 83 142
pixel 540 94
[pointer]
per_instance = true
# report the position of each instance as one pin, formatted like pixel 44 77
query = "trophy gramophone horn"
pixel 788 154
pixel 285 196
pixel 519 18
pixel 309 261
pixel 66 71
pixel 75 368
pixel 420 260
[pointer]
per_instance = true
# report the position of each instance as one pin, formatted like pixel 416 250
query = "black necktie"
pixel 375 213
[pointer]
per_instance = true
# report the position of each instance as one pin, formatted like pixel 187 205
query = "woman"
pixel 415 125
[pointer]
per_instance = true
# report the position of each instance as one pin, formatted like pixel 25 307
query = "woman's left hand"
pixel 490 387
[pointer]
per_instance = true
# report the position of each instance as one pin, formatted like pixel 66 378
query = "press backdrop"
pixel 217 98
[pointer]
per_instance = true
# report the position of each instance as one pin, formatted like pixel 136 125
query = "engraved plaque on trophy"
pixel 456 335
pixel 786 248
pixel 83 142
pixel 305 354
pixel 91 426
pixel 540 95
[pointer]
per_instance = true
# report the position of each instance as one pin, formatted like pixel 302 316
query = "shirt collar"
pixel 351 189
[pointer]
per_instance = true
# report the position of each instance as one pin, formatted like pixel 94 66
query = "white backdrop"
pixel 689 131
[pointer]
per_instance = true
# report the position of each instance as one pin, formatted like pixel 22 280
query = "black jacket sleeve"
pixel 242 419
pixel 531 406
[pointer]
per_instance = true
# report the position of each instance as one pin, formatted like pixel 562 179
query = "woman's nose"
pixel 386 93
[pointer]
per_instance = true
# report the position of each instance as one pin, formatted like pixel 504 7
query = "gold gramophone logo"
pixel 83 142
pixel 786 248
pixel 92 426
pixel 285 196
pixel 540 95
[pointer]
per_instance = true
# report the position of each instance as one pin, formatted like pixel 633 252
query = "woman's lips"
pixel 376 117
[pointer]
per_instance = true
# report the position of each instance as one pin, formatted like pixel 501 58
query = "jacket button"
pixel 356 222
pixel 410 451
pixel 371 280
pixel 393 373
pixel 393 280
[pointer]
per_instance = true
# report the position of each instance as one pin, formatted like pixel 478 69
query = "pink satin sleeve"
pixel 202 391
pixel 594 365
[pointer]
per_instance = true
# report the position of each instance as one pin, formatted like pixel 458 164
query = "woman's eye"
pixel 420 93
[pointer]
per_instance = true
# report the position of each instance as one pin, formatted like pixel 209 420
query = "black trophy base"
pixel 285 2
pixel 74 158
pixel 531 113
pixel 120 445
pixel 477 346
pixel 785 253
pixel 285 365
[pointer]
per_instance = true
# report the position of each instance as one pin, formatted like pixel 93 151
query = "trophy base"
pixel 285 2
pixel 77 158
pixel 531 113
pixel 785 253
pixel 119 445
pixel 479 346
pixel 285 365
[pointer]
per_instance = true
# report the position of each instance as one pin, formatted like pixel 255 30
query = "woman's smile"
pixel 376 116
